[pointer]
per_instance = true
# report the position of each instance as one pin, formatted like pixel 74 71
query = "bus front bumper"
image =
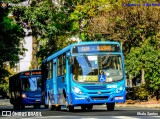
pixel 98 99
pixel 32 101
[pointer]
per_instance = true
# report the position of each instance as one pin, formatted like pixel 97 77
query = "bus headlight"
pixel 77 90
pixel 23 95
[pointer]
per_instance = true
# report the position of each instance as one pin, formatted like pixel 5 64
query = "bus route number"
pixel 85 49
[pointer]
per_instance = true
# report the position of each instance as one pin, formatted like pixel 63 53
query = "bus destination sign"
pixel 28 73
pixel 36 72
pixel 96 48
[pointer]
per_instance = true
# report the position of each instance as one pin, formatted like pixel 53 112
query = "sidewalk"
pixel 135 103
pixel 5 102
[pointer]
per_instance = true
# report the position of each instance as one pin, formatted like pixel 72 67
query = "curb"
pixel 140 106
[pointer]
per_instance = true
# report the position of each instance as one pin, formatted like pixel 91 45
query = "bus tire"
pixel 58 108
pixel 70 108
pixel 110 106
pixel 89 107
pixel 83 107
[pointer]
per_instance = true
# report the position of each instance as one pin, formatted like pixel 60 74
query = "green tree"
pixel 11 47
pixel 136 27
pixel 145 57
pixel 49 24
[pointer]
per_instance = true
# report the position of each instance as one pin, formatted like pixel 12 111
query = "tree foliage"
pixel 137 27
pixel 49 23
pixel 11 47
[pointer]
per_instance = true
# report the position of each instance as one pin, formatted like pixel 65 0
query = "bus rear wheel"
pixel 110 106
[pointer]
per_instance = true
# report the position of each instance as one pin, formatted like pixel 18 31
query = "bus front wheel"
pixel 110 106
pixel 70 108
pixel 83 107
pixel 58 108
pixel 89 107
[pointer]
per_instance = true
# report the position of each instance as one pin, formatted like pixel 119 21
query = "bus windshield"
pixel 31 84
pixel 97 68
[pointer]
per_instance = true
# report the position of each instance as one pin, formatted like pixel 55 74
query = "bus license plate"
pixel 118 98
pixel 38 100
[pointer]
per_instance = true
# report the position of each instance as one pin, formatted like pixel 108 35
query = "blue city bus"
pixel 84 74
pixel 25 88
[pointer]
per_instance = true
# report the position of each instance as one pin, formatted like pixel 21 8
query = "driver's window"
pixel 76 69
pixel 111 64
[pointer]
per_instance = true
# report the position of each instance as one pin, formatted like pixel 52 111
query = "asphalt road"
pixel 98 112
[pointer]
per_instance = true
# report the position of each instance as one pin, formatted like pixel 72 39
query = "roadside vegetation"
pixel 135 24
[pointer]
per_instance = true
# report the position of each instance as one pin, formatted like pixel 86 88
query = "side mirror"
pixel 71 60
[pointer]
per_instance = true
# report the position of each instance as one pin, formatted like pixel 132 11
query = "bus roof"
pixel 19 73
pixel 29 70
pixel 80 43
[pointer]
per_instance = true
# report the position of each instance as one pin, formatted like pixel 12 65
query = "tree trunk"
pixel 130 80
pixel 142 77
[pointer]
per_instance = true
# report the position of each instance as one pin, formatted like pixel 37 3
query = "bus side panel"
pixel 61 89
pixel 49 87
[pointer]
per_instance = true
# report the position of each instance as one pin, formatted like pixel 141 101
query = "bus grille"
pixel 97 92
pixel 99 97
pixel 95 87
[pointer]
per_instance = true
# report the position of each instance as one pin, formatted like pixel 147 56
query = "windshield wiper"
pixel 105 59
pixel 88 62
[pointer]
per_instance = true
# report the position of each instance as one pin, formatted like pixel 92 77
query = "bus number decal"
pixel 111 86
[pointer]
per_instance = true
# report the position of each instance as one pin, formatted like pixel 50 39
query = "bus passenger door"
pixel 69 63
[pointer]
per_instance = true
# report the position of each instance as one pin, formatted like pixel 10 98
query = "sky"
pixel 25 62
